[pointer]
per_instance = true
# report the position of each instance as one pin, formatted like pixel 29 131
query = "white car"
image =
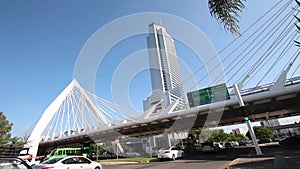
pixel 170 153
pixel 235 143
pixel 13 162
pixel 68 162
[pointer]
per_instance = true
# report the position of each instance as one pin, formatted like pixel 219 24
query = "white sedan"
pixel 170 153
pixel 68 162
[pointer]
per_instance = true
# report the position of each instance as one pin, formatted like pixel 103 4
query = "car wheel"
pixel 173 157
pixel 97 168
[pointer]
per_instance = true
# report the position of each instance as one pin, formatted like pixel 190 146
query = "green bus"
pixel 60 152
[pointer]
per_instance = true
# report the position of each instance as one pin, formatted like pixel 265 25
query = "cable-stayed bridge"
pixel 79 116
pixel 75 125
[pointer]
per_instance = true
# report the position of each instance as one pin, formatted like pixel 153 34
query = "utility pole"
pixel 246 118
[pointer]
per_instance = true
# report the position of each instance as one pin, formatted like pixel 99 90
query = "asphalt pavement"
pixel 282 159
pixel 274 157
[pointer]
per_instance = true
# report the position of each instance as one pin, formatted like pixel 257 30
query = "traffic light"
pixel 245 113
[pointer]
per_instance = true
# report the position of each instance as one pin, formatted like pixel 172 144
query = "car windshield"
pixel 164 148
pixel 12 163
pixel 52 160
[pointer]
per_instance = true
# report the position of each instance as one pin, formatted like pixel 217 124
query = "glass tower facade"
pixel 165 72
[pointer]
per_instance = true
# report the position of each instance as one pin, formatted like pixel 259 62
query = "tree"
pixel 18 141
pixel 204 135
pixel 261 133
pixel 238 137
pixel 219 136
pixel 227 13
pixel 5 129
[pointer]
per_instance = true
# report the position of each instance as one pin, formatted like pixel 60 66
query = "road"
pixel 178 164
pixel 224 158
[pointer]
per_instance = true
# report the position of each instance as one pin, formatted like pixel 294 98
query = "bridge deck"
pixel 262 105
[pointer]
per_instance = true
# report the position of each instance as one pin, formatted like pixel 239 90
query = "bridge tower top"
pixel 56 106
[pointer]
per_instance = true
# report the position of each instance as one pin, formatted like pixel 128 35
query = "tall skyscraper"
pixel 167 86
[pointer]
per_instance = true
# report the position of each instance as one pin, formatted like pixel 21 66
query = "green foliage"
pixel 101 149
pixel 262 133
pixel 227 13
pixel 111 149
pixel 218 136
pixel 238 137
pixel 18 141
pixel 5 135
pixel 215 135
pixel 5 129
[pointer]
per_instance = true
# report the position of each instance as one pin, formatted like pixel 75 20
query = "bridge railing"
pixel 256 89
pixel 292 81
pixel 266 87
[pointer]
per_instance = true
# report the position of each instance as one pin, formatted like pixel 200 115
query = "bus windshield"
pixel 52 153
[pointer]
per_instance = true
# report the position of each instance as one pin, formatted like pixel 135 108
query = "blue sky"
pixel 40 42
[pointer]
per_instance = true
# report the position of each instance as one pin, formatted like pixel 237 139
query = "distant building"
pixel 238 131
pixel 166 80
pixel 270 123
pixel 285 132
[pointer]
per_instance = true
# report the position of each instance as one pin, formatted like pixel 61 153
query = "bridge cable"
pixel 291 61
pixel 296 69
pixel 255 65
pixel 234 40
pixel 263 60
pixel 284 51
pixel 251 43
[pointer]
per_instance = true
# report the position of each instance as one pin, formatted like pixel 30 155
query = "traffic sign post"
pixel 246 118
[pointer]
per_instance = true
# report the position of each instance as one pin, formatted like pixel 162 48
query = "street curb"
pixel 119 163
pixel 246 160
pixel 231 163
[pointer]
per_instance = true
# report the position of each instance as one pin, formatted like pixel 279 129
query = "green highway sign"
pixel 208 95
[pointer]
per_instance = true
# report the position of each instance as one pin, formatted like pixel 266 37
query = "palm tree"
pixel 227 13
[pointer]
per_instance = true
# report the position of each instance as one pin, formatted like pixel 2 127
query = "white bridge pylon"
pixel 75 110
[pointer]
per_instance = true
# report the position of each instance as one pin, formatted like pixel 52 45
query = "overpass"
pixel 262 102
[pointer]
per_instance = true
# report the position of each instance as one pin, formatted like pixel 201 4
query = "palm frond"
pixel 227 13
